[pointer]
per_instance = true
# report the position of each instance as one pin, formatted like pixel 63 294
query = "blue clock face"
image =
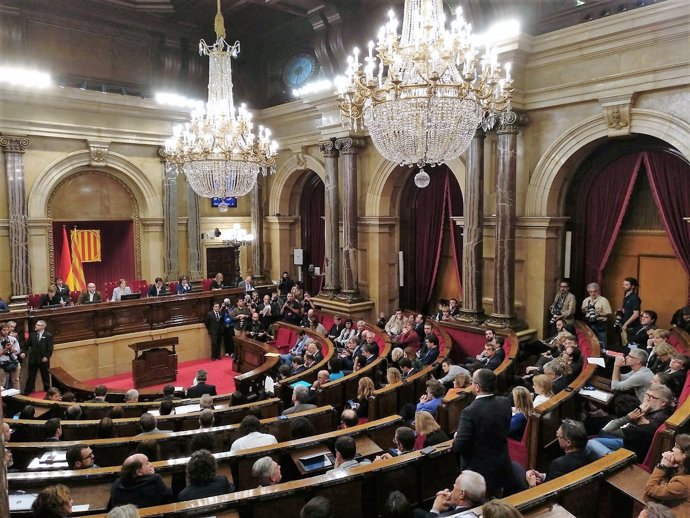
pixel 299 69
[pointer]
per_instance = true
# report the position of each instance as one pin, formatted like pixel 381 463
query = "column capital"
pixel 350 145
pixel 510 122
pixel 327 148
pixel 12 144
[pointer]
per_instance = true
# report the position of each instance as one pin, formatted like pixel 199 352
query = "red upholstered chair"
pixel 677 344
pixel 583 342
pixel 686 390
pixel 140 286
pixel 172 288
pixel 74 296
pixel 648 463
pixel 206 284
pixel 108 288
pixel 518 449
pixel 34 300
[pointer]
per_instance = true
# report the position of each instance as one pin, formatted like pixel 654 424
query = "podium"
pixel 154 362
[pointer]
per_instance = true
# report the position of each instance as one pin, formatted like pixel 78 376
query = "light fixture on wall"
pixel 427 93
pixel 217 150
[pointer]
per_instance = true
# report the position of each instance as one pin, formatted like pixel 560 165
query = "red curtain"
pixel 312 212
pixel 117 242
pixel 601 210
pixel 424 213
pixel 669 177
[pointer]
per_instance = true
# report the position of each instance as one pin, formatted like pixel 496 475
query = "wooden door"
pixel 221 260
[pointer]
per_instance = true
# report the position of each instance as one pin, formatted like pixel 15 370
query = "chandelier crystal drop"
pixel 217 150
pixel 424 95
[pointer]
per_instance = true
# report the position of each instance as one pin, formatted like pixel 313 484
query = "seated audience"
pixel 121 289
pixel 52 429
pixel 123 511
pixel 554 371
pixel 266 471
pixel 572 438
pixel 252 437
pixel 428 431
pixel 335 369
pixel 348 419
pixel 345 453
pixel 521 413
pixel 395 325
pixel 348 332
pixel 450 371
pixel 201 387
pixel 432 350
pixel 203 480
pixel 73 413
pixel 670 480
pixel 149 425
pixel 167 408
pixel 393 375
pixel 403 442
pixel 183 287
pixel 678 369
pixel 681 318
pixel 469 491
pixel 433 398
pixel 499 509
pixel 53 394
pixel 150 448
pixel 132 396
pixel 51 298
pixel 300 428
pixel 317 507
pixel 460 382
pixel 99 394
pixel 300 396
pixel 661 352
pixel 397 506
pixel 407 367
pixel 168 393
pixel 635 430
pixel 139 484
pixel 80 456
pixel 206 401
pixel 52 502
pixel 365 389
pixel 105 429
pixel 655 510
pixel 543 388
pixel 206 418
pixel 408 337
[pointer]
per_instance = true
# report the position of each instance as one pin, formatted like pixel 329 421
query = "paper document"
pixel 597 361
pixel 599 395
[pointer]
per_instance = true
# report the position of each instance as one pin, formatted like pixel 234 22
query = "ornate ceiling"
pixel 138 47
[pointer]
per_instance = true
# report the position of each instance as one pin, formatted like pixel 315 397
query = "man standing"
pixel 214 325
pixel 482 437
pixel 90 295
pixel 139 485
pixel 201 386
pixel 241 316
pixel 39 347
pixel 596 310
pixel 564 305
pixel 291 310
pixel 285 284
pixel 158 289
pixel 468 492
pixel 630 320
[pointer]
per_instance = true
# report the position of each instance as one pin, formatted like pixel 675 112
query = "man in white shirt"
pixel 251 435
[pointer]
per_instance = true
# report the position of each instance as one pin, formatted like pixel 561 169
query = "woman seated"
pixel 543 388
pixel 523 409
pixel 662 351
pixel 218 283
pixel 51 298
pixel 365 389
pixel 460 383
pixel 408 337
pixel 347 333
pixel 53 502
pixel 203 480
pixel 670 480
pixel 433 398
pixel 183 286
pixel 335 369
pixel 121 289
pixel 393 375
pixel 428 431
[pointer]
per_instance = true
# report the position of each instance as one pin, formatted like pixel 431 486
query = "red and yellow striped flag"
pixel 77 272
pixel 88 243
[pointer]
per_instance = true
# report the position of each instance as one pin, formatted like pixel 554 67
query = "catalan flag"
pixel 79 283
pixel 88 243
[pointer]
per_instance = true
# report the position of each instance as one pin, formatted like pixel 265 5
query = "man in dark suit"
pixel 482 437
pixel 432 350
pixel 90 295
pixel 468 492
pixel 214 325
pixel 62 290
pixel 201 386
pixel 39 347
pixel 158 289
pixel 572 438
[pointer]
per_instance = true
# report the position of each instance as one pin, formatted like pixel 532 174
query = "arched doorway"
pixel 312 232
pixel 429 239
pixel 96 200
pixel 627 202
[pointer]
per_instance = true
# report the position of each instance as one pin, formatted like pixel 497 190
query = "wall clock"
pixel 300 69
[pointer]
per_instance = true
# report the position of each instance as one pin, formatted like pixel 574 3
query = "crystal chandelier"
pixel 427 93
pixel 218 151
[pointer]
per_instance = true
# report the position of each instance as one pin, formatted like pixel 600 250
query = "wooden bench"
pixel 92 486
pixel 30 430
pixel 112 452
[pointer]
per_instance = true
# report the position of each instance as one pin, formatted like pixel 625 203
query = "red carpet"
pixel 220 374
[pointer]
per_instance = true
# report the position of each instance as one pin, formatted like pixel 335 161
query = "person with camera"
pixel 10 362
pixel 563 307
pixel 241 315
pixel 291 311
pixel 596 310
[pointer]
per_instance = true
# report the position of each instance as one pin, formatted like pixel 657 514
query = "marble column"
pixel 472 310
pixel 171 259
pixel 257 208
pixel 503 315
pixel 14 148
pixel 332 232
pixel 193 235
pixel 349 148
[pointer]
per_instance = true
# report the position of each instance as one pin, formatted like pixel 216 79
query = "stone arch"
pixel 383 195
pixel 545 194
pixel 146 196
pixel 284 182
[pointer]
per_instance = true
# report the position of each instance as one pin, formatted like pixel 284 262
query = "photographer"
pixel 596 311
pixel 10 362
pixel 563 307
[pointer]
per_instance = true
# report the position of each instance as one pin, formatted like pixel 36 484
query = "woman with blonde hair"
pixel 53 502
pixel 662 351
pixel 121 289
pixel 523 409
pixel 393 375
pixel 365 389
pixel 498 509
pixel 428 431
pixel 543 388
pixel 670 480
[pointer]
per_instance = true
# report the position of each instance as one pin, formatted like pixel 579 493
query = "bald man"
pixel 139 484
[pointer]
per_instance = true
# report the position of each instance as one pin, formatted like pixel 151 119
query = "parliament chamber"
pixel 587 182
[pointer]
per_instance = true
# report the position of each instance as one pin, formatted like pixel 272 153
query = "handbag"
pixel 11 365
